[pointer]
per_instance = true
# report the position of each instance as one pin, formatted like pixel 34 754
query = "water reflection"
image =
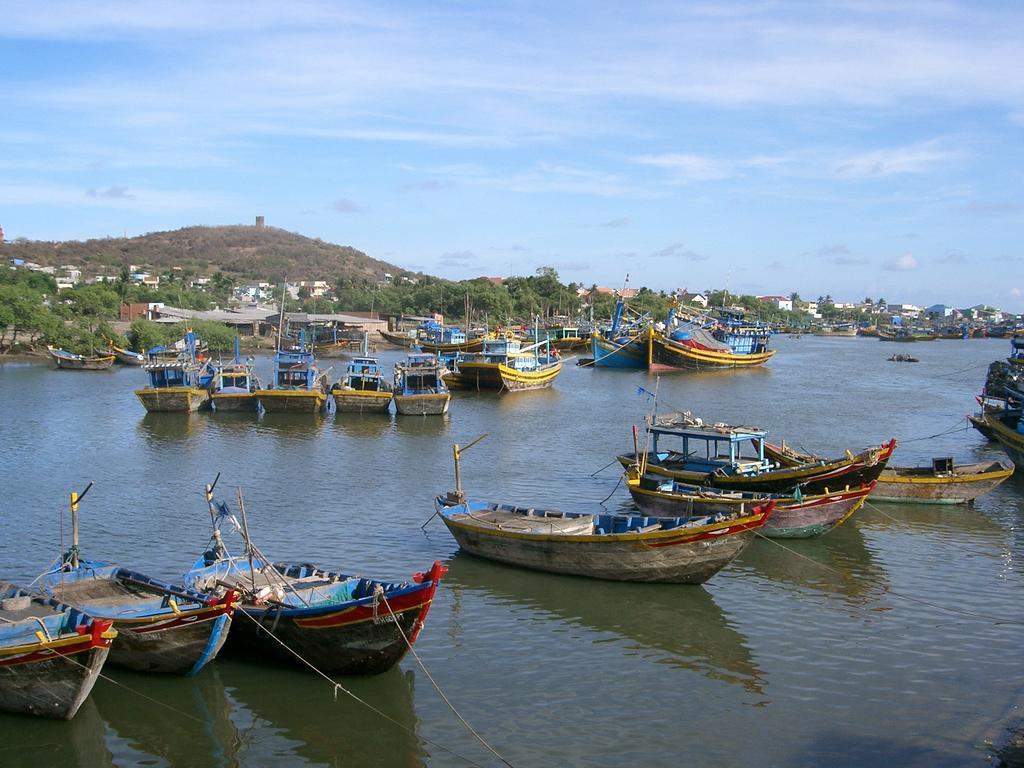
pixel 300 715
pixel 362 425
pixel 677 625
pixel 31 742
pixel 291 426
pixel 163 429
pixel 235 714
pixel 840 564
pixel 424 426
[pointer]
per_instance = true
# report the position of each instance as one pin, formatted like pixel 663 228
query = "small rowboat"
pixel 941 483
pixel 340 624
pixel 69 361
pixel 680 550
pixel 50 654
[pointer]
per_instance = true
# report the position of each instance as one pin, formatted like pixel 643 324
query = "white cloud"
pixel 686 167
pixel 904 263
pixel 915 158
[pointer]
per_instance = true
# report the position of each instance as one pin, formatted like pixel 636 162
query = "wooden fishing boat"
pixel 691 354
pixel 942 483
pixel 419 386
pixel 568 338
pixel 977 421
pixel 622 351
pixel 298 386
pixel 290 612
pixel 681 550
pixel 624 343
pixel 1007 428
pixel 684 448
pixel 69 361
pixel 504 365
pixel 363 388
pixel 50 654
pixel 870 331
pixel 235 385
pixel 796 516
pixel 903 359
pixel 406 340
pixel 161 627
pixel 178 380
pixel 126 356
pixel 436 338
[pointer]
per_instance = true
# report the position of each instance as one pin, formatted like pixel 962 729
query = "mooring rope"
pixel 128 688
pixel 339 687
pixel 961 426
pixel 437 688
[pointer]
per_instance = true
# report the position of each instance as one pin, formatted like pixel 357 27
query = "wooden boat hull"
pixel 127 357
pixel 432 404
pixel 666 354
pixel 473 345
pixel 850 333
pixel 813 478
pixel 571 343
pixel 172 399
pixel 398 339
pixel 608 354
pixel 793 518
pixel 53 678
pixel 1004 430
pixel 179 645
pixel 64 363
pixel 978 422
pixel 231 402
pixel 682 556
pixel 291 400
pixel 364 639
pixel 361 401
pixel 920 485
pixel 501 378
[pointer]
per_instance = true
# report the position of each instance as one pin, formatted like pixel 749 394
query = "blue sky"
pixel 854 148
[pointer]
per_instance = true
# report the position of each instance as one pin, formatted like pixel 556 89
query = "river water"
pixel 894 640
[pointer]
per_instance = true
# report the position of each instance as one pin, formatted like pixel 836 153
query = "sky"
pixel 855 149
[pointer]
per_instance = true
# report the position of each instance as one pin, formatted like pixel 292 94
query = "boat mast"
pixel 280 321
pixel 75 498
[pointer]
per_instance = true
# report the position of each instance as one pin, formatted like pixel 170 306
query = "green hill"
pixel 242 252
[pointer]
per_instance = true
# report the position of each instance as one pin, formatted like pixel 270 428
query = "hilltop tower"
pixel 260 222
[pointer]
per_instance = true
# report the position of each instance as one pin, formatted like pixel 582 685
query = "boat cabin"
pixel 167 375
pixel 731 450
pixel 420 374
pixel 294 370
pixel 365 373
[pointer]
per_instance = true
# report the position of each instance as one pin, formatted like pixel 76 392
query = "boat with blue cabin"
pixel 50 654
pixel 419 386
pixel 363 388
pixel 697 342
pixel 179 381
pixel 298 385
pixel 685 448
pixel 235 384
pixel 505 365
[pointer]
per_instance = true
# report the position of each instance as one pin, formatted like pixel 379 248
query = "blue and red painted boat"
pixel 299 614
pixel 50 654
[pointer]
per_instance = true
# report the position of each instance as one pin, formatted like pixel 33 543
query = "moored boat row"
pixel 55 642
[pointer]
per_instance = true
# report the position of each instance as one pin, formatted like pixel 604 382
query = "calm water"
pixel 894 640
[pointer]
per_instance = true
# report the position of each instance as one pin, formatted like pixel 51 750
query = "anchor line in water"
pixel 602 469
pixel 894 592
pixel 437 688
pixel 962 426
pixel 339 687
pixel 617 484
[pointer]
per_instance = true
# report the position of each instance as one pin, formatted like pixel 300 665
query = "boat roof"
pixel 685 425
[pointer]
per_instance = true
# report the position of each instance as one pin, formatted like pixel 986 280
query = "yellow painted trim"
pixel 951 480
pixel 17 650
